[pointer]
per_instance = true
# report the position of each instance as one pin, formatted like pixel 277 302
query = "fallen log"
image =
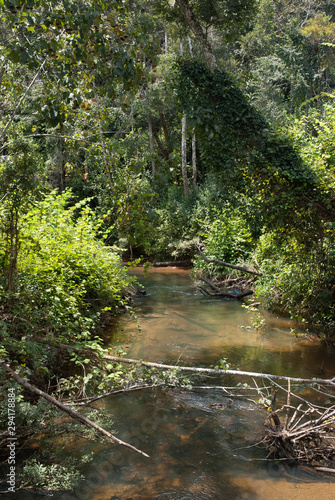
pixel 212 371
pixel 173 263
pixel 325 469
pixel 66 409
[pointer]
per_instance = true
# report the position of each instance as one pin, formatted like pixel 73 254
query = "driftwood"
pixel 220 293
pixel 227 264
pixel 66 409
pixel 301 435
pixel 173 263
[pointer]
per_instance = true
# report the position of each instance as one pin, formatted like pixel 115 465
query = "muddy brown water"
pixel 201 445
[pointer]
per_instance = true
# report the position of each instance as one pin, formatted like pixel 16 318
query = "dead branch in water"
pixel 301 435
pixel 66 409
pixel 220 293
pixel 304 434
pixel 234 288
pixel 214 371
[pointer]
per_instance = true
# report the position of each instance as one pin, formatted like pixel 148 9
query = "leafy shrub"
pixel 173 235
pixel 66 276
pixel 298 279
pixel 50 477
pixel 227 237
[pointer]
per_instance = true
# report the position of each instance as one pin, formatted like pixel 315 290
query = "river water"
pixel 201 444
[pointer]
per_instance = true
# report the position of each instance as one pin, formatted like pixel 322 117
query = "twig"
pixel 288 403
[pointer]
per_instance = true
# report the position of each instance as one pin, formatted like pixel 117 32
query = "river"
pixel 201 444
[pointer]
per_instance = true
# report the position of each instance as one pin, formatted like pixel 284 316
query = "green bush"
pixel 66 277
pixel 227 237
pixel 299 279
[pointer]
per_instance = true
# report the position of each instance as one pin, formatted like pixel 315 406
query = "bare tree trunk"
pixel 151 142
pixel 190 46
pixel 166 42
pixel 183 155
pixel 151 139
pixel 194 161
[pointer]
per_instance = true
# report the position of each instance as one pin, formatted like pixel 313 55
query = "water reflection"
pixel 177 322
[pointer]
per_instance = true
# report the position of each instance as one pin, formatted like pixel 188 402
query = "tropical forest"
pixel 167 249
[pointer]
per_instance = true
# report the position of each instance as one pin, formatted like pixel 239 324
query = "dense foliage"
pixel 118 140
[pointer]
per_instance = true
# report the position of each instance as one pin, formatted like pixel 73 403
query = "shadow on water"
pixel 201 445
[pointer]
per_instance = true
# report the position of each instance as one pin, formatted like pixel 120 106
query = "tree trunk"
pixel 104 155
pixel 226 264
pixel 166 42
pixel 13 248
pixel 151 143
pixel 221 371
pixel 151 139
pixel 166 132
pixel 194 161
pixel 164 151
pixel 183 155
pixel 60 162
pixel 198 32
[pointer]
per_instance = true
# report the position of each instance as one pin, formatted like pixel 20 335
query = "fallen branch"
pixel 214 371
pixel 173 263
pixel 66 409
pixel 211 285
pixel 227 264
pixel 325 469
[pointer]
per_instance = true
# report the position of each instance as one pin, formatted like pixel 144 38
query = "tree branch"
pixel 213 371
pixel 226 264
pixel 66 409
